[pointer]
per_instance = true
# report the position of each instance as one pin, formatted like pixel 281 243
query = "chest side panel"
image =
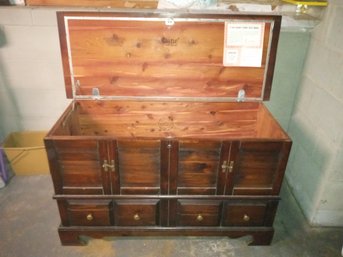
pixel 259 166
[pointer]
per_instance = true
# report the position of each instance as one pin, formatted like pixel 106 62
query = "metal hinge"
pixel 107 166
pixel 96 93
pixel 241 95
pixel 169 22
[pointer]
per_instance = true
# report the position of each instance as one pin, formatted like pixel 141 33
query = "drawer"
pixel 249 213
pixel 198 213
pixel 90 213
pixel 136 212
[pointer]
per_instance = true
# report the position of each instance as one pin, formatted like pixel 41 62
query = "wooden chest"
pixel 167 133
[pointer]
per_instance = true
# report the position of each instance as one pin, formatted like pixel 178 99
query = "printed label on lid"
pixel 243 44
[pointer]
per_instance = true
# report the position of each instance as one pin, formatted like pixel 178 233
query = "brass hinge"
pixel 227 166
pixel 107 166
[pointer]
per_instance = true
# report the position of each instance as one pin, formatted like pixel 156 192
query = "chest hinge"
pixel 241 95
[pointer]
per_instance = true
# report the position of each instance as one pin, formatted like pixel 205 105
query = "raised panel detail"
pixel 258 166
pixel 139 166
pixel 79 164
pixel 198 166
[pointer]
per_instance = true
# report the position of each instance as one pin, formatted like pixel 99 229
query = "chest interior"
pixel 131 119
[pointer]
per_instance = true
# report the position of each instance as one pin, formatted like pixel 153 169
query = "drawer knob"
pixel 136 217
pixel 200 217
pixel 90 217
pixel 246 217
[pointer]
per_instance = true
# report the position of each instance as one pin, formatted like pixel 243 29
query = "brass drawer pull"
pixel 136 217
pixel 107 166
pixel 90 217
pixel 200 218
pixel 227 166
pixel 246 217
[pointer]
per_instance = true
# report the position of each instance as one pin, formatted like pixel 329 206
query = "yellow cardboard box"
pixel 26 152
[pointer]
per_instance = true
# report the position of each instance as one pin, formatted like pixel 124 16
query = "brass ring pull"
pixel 136 217
pixel 200 218
pixel 90 217
pixel 246 217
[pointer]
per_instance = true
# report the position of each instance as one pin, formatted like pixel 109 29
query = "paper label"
pixel 243 44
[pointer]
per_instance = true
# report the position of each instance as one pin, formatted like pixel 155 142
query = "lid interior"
pixel 166 56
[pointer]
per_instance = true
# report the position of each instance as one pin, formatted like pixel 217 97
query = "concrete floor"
pixel 29 221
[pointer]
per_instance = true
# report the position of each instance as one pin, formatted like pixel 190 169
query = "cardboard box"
pixel 26 152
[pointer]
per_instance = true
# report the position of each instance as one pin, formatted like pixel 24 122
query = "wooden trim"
pixel 284 155
pixel 221 176
pixel 103 155
pixel 54 165
pixel 267 126
pixel 59 123
pixel 198 197
pixel 63 210
pixel 98 3
pixel 70 235
pixel 272 58
pixel 64 54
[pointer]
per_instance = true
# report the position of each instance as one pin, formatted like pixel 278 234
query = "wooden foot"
pixel 71 238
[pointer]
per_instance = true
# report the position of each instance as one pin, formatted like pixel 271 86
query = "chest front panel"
pixel 185 167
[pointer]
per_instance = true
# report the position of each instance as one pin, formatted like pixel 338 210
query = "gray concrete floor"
pixel 29 221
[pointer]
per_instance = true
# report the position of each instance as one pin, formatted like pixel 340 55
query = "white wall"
pixel 315 170
pixel 31 81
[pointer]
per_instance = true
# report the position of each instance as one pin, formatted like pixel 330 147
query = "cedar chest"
pixel 167 133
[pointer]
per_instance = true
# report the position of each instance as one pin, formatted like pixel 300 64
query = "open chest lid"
pixel 168 56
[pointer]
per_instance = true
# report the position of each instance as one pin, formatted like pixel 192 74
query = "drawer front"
pixel 249 213
pixel 198 213
pixel 136 213
pixel 90 213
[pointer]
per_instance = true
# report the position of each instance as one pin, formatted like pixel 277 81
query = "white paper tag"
pixel 243 44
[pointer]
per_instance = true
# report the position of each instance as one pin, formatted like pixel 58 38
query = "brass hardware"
pixel 227 167
pixel 136 217
pixel 107 166
pixel 224 166
pixel 200 217
pixel 231 166
pixel 246 217
pixel 90 217
pixel 241 95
